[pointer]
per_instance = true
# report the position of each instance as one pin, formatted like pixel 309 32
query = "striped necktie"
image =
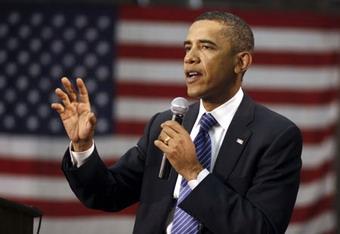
pixel 184 223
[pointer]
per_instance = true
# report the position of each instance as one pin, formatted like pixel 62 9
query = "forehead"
pixel 206 29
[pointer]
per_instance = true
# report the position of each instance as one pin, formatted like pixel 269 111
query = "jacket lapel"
pixel 190 117
pixel 235 139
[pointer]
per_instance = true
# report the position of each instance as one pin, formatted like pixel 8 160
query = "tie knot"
pixel 207 121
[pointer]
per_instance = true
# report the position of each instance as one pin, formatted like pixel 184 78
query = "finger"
pixel 69 89
pixel 164 138
pixel 160 145
pixel 63 97
pixel 58 107
pixel 174 126
pixel 83 94
pixel 167 131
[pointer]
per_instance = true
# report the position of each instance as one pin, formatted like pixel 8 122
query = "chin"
pixel 197 90
pixel 193 94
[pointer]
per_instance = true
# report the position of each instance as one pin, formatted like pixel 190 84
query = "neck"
pixel 211 104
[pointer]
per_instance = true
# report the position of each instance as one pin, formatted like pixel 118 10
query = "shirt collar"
pixel 225 112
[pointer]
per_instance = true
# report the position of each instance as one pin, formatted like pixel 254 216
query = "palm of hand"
pixel 76 121
pixel 75 112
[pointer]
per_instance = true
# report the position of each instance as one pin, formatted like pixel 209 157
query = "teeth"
pixel 193 73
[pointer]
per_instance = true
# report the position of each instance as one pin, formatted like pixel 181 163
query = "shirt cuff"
pixel 79 158
pixel 193 183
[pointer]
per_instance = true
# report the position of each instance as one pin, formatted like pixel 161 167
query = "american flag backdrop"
pixel 131 61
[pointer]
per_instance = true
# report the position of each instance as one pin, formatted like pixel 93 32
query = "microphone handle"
pixel 165 168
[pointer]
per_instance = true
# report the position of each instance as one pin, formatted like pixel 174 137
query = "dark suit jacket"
pixel 252 188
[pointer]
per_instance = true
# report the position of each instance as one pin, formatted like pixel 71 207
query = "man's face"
pixel 209 64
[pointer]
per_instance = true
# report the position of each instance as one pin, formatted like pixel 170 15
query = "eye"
pixel 206 47
pixel 187 48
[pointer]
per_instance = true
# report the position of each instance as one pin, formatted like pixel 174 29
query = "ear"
pixel 243 61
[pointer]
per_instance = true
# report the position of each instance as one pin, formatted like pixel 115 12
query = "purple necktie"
pixel 184 223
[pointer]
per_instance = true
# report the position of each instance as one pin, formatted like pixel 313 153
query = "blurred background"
pixel 130 54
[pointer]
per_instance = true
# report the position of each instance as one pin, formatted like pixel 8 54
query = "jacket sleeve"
pixel 267 204
pixel 113 188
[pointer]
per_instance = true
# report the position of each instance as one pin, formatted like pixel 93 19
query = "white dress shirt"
pixel 223 115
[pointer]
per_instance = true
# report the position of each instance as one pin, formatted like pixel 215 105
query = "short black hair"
pixel 239 32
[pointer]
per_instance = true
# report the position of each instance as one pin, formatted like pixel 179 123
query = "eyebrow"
pixel 202 41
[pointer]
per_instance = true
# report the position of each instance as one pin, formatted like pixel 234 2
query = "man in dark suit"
pixel 248 177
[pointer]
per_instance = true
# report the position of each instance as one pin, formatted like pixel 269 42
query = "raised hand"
pixel 75 113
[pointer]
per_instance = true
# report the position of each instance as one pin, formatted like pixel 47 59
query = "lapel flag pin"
pixel 240 141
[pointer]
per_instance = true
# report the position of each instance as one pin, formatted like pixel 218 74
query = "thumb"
pixel 92 119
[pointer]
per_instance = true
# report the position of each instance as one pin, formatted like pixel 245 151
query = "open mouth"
pixel 192 76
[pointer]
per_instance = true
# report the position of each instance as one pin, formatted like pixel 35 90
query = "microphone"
pixel 179 106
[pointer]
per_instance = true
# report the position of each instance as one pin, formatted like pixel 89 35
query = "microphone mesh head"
pixel 179 106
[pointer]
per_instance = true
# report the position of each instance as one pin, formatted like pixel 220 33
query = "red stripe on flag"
pixel 69 208
pixel 315 136
pixel 296 59
pixel 268 18
pixel 75 208
pixel 133 89
pixel 292 97
pixel 311 136
pixel 301 214
pixel 150 52
pixel 29 166
pixel 127 127
pixel 309 175
pixel 260 58
pixel 333 231
pixel 35 167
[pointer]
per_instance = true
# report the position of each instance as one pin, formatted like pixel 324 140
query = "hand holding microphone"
pixel 179 106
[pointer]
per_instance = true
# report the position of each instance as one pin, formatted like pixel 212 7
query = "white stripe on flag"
pixel 86 225
pixel 314 155
pixel 264 77
pixel 53 148
pixel 309 193
pixel 111 148
pixel 323 223
pixel 314 117
pixel 267 38
pixel 309 117
pixel 57 189
pixel 36 187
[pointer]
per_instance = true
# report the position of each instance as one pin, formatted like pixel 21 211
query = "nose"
pixel 191 57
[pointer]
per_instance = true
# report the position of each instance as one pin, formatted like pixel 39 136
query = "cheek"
pixel 205 62
pixel 214 69
pixel 213 63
